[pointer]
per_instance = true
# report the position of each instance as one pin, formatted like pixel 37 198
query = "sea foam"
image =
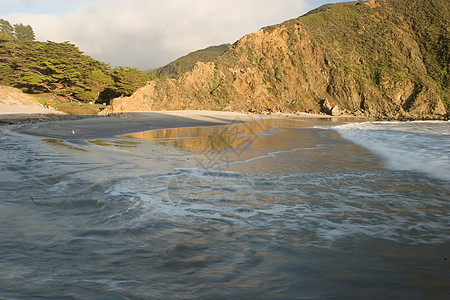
pixel 409 146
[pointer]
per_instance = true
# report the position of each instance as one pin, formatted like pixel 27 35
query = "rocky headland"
pixel 382 59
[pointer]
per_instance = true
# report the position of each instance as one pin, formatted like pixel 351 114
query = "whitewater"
pixel 271 209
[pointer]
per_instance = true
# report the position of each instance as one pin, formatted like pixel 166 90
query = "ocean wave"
pixel 324 206
pixel 411 146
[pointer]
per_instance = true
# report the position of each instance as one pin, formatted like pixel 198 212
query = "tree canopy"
pixel 6 27
pixel 60 68
pixel 18 31
pixel 24 33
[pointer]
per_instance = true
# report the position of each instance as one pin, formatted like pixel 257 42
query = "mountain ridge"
pixel 370 59
pixel 187 62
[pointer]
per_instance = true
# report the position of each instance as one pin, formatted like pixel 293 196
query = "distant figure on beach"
pixel 48 105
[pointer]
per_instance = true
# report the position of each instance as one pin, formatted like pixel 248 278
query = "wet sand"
pixel 120 124
pixel 265 146
pixel 23 118
pixel 115 125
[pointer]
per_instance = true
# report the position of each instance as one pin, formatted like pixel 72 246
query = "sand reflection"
pixel 215 138
pixel 61 143
pixel 115 143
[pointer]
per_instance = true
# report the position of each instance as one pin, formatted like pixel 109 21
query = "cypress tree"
pixel 24 33
pixel 6 27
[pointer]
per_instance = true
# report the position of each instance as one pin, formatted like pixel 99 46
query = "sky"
pixel 147 34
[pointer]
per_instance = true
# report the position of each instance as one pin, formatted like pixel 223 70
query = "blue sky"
pixel 149 33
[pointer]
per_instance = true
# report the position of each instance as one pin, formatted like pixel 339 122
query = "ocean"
pixel 270 209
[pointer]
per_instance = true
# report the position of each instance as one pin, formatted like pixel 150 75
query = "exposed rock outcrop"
pixel 362 59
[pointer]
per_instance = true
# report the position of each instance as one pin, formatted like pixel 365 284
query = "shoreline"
pixel 69 127
pixel 38 116
pixel 9 118
pixel 25 118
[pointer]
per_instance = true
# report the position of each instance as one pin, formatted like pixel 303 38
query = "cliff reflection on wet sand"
pixel 215 138
pixel 115 143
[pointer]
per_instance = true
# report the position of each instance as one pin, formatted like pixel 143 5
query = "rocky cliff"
pixel 186 63
pixel 382 58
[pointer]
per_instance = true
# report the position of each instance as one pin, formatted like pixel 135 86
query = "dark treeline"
pixel 60 68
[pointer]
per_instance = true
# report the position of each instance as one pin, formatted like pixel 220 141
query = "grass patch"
pixel 73 108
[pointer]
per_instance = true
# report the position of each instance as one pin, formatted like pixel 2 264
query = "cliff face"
pixel 186 63
pixel 372 59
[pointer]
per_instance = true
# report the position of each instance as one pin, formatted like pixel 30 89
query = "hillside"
pixel 61 69
pixel 382 58
pixel 186 63
pixel 14 101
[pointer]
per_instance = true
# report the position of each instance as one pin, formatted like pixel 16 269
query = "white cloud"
pixel 150 33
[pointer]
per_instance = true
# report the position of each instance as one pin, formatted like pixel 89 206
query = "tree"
pixel 24 33
pixel 128 80
pixel 6 27
pixel 62 69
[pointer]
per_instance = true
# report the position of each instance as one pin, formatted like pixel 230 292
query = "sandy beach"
pixel 22 109
pixel 125 123
pixel 114 125
pixel 18 107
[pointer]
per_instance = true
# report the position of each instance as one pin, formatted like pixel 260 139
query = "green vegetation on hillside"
pixel 378 58
pixel 186 63
pixel 16 31
pixel 61 69
pixel 430 20
pixel 372 43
